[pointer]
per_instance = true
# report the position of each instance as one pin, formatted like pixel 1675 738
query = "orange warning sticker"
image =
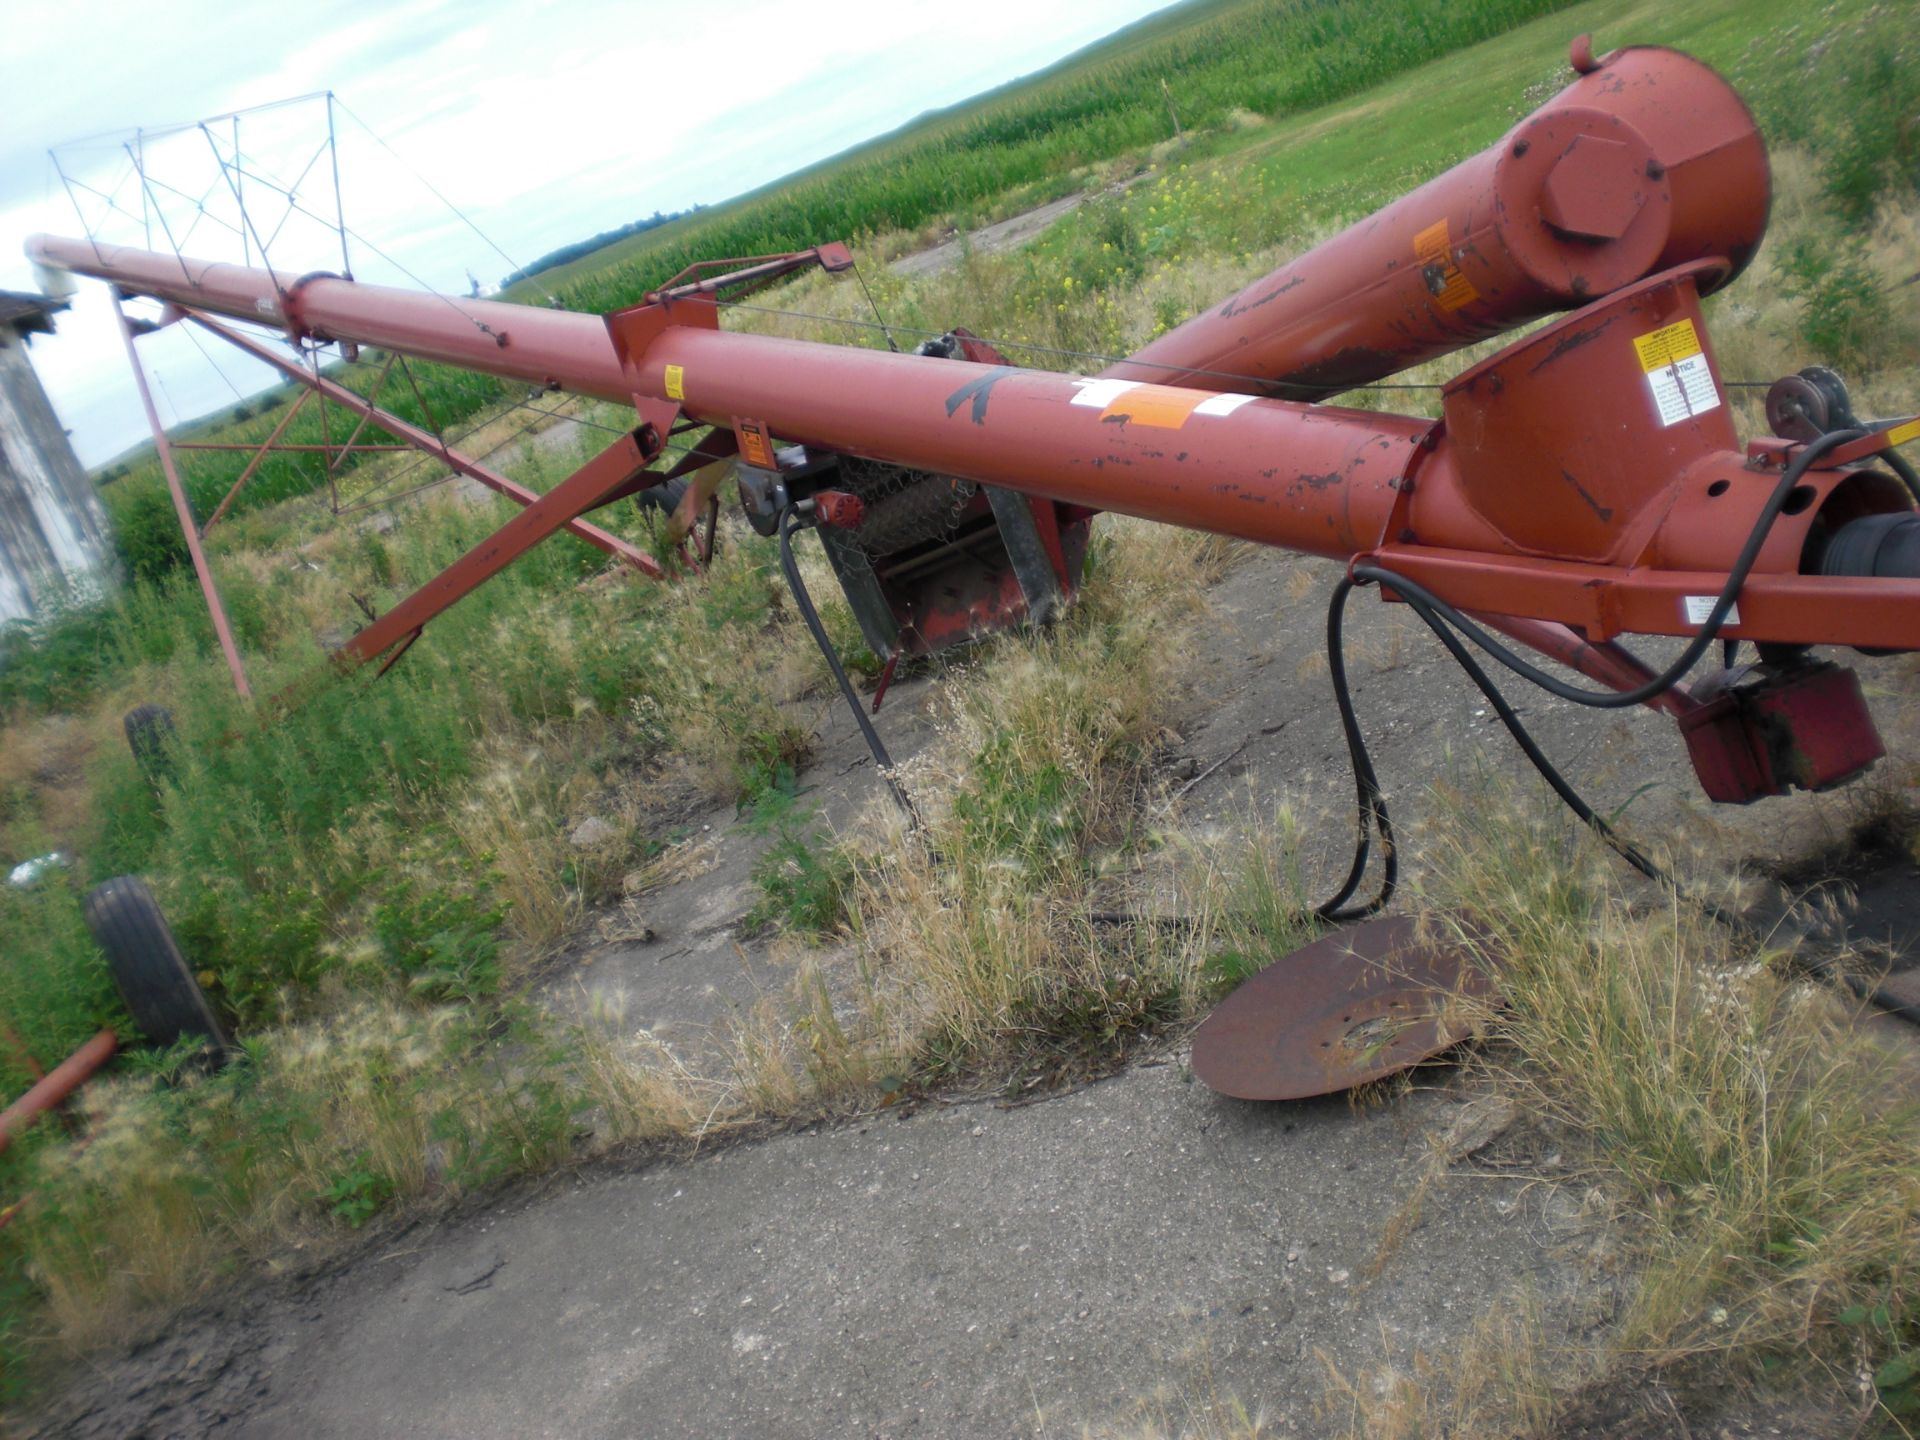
pixel 676 382
pixel 754 446
pixel 1433 248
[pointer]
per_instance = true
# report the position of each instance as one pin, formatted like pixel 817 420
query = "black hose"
pixel 1531 749
pixel 1371 805
pixel 1618 699
pixel 1897 463
pixel 881 759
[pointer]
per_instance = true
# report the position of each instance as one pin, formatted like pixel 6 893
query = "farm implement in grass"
pixel 1584 484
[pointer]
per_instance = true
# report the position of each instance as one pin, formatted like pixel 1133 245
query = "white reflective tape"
pixel 1221 404
pixel 1101 393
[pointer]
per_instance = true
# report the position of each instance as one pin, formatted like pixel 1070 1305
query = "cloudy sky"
pixel 544 121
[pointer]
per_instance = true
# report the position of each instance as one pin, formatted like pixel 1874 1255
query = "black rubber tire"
pixel 664 498
pixel 151 736
pixel 153 977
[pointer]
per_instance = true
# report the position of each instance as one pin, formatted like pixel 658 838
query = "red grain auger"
pixel 1583 484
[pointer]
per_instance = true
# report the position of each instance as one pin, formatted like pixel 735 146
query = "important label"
pixel 1699 609
pixel 676 382
pixel 1677 372
pixel 1433 248
pixel 1901 434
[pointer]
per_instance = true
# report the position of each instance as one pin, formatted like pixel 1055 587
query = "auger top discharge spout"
pixel 1647 160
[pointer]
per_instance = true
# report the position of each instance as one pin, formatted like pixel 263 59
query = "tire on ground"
pixel 664 498
pixel 153 977
pixel 151 735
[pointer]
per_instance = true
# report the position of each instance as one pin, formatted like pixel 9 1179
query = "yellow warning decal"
pixel 1667 346
pixel 1433 248
pixel 1900 434
pixel 676 382
pixel 1678 376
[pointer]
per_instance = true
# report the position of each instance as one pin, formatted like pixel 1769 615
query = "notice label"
pixel 1700 607
pixel 1677 372
pixel 676 382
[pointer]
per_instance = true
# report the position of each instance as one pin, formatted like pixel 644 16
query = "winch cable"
pixel 801 599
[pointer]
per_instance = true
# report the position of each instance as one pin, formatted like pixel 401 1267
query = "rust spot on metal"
pixel 1233 307
pixel 1570 342
pixel 1605 512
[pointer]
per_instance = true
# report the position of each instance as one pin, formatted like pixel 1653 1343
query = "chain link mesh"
pixel 904 507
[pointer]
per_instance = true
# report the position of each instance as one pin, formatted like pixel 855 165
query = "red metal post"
pixel 58 1084
pixel 189 528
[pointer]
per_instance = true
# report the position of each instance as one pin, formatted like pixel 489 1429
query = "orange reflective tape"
pixel 1165 407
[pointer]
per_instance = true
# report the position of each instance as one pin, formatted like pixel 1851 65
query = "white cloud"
pixel 544 122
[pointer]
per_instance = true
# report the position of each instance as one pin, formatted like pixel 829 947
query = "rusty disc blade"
pixel 1351 1007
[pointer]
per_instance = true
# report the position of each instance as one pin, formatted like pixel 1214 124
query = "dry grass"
pixel 1762 1162
pixel 383 1108
pixel 1173 1416
pixel 1499 1383
pixel 508 822
pixel 976 948
pixel 640 1089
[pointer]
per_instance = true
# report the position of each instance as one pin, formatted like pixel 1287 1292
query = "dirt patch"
pixel 1008 234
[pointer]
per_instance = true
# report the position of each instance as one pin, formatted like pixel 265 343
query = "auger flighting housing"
pixel 1583 484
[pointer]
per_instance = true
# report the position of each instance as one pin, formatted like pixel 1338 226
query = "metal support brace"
pixel 589 486
pixel 422 440
pixel 189 527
